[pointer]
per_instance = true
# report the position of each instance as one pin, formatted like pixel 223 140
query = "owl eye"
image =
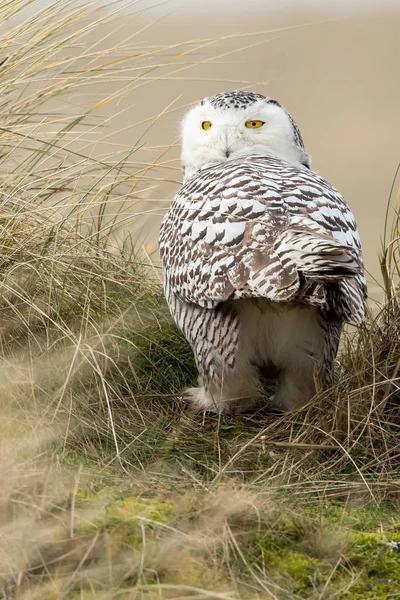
pixel 254 124
pixel 206 124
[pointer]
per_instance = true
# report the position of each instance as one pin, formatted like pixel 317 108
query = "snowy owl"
pixel 261 257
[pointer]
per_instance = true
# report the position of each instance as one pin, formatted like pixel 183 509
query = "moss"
pixel 120 513
pixel 377 567
pixel 159 511
pixel 304 572
pixel 313 548
pixel 369 569
pixel 305 551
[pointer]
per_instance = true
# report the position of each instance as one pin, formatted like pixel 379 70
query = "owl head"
pixel 236 124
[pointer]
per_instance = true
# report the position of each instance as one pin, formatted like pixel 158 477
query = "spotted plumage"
pixel 261 258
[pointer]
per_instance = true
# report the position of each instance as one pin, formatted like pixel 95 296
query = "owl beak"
pixel 226 140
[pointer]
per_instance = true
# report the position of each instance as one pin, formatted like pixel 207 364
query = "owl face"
pixel 238 124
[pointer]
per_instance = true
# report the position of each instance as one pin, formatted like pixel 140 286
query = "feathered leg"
pixel 228 382
pixel 333 332
pixel 309 368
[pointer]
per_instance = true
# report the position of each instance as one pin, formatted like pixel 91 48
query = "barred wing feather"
pixel 260 227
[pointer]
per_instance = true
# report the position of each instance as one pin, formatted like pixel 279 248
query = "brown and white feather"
pixel 262 265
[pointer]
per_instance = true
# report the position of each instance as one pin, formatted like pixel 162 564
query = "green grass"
pixel 111 486
pixel 225 541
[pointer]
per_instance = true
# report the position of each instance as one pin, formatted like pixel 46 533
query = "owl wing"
pixel 260 227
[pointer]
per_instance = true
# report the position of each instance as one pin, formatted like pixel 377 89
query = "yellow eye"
pixel 254 124
pixel 206 124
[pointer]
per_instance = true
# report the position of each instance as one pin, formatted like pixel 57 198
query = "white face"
pixel 261 128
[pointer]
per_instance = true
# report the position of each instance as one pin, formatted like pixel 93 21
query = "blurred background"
pixel 333 64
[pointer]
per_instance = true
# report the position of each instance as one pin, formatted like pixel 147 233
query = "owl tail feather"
pixel 319 257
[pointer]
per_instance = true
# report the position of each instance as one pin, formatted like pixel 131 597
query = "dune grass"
pixel 111 486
